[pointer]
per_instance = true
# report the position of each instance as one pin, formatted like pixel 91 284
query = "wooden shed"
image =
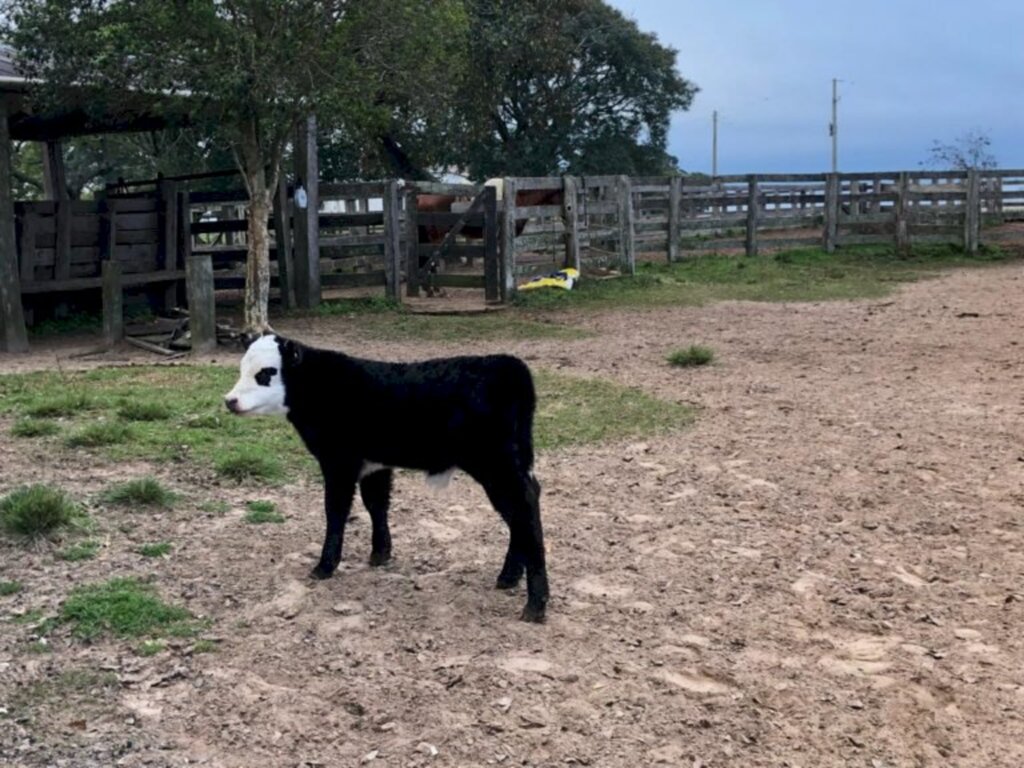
pixel 60 246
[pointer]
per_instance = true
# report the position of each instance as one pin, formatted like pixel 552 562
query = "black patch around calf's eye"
pixel 265 375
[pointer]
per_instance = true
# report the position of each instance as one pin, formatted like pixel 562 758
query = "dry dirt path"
pixel 827 569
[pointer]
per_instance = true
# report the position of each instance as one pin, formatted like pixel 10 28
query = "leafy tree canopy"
pixel 573 86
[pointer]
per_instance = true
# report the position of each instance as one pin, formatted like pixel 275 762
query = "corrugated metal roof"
pixel 7 68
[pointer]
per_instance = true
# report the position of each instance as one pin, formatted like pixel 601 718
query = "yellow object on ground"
pixel 563 278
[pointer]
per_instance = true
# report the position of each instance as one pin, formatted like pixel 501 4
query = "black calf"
pixel 360 418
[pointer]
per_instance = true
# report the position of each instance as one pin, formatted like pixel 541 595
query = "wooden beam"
pixel 392 242
pixel 627 227
pixel 202 321
pixel 13 335
pixel 831 227
pixel 675 196
pixel 570 213
pixel 412 239
pixel 972 213
pixel 903 214
pixel 113 303
pixel 492 262
pixel 55 185
pixel 753 207
pixel 508 240
pixel 283 244
pixel 306 217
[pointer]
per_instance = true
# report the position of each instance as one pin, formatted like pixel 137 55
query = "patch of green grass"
pixel 248 465
pixel 39 646
pixel 59 405
pixel 807 274
pixel 574 411
pixel 155 550
pixel 28 617
pixel 83 550
pixel 122 608
pixel 99 434
pixel 8 588
pixel 135 410
pixel 199 431
pixel 37 510
pixel 691 356
pixel 142 492
pixel 215 507
pixel 204 646
pixel 263 512
pixel 33 427
pixel 149 647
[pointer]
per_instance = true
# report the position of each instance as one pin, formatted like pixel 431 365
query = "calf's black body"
pixel 361 418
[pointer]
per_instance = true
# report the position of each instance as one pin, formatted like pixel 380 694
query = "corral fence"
pixel 146 238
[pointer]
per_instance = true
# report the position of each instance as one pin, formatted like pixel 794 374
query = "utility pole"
pixel 833 127
pixel 714 143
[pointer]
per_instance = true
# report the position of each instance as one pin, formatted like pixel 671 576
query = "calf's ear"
pixel 291 352
pixel 248 338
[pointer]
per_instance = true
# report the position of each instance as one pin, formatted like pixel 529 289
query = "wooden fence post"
pixel 627 227
pixel 283 245
pixel 307 218
pixel 392 242
pixel 492 262
pixel 902 214
pixel 412 244
pixel 570 213
pixel 202 321
pixel 167 249
pixel 108 229
pixel 13 334
pixel 508 240
pixel 972 213
pixel 113 303
pixel 753 205
pixel 831 230
pixel 675 198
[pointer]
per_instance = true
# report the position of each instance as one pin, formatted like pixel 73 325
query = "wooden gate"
pixel 453 239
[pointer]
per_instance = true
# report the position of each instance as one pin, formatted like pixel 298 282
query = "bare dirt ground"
pixel 827 569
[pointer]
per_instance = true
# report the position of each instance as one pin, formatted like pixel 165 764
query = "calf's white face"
pixel 260 388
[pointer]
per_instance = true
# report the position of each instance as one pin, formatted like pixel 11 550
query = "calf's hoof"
pixel 321 572
pixel 505 581
pixel 533 614
pixel 380 558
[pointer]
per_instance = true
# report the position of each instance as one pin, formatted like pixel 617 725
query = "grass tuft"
pixel 83 550
pixel 149 648
pixel 155 550
pixel 8 588
pixel 691 356
pixel 32 427
pixel 100 434
pixel 249 465
pixel 144 411
pixel 144 492
pixel 263 512
pixel 36 510
pixel 122 608
pixel 60 406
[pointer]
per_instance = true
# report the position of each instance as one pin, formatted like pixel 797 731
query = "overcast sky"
pixel 911 71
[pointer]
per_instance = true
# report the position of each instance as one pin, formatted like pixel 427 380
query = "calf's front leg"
pixel 339 488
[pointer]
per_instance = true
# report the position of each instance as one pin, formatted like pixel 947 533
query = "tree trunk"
pixel 257 265
pixel 252 160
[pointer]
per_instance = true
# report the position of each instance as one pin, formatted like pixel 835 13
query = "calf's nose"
pixel 231 403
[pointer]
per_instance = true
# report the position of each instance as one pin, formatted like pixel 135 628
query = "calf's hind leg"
pixel 516 497
pixel 376 492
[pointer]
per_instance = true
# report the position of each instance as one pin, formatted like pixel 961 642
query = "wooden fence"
pixel 372 234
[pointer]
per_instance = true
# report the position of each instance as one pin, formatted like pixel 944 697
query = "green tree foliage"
pixel 251 69
pixel 566 86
